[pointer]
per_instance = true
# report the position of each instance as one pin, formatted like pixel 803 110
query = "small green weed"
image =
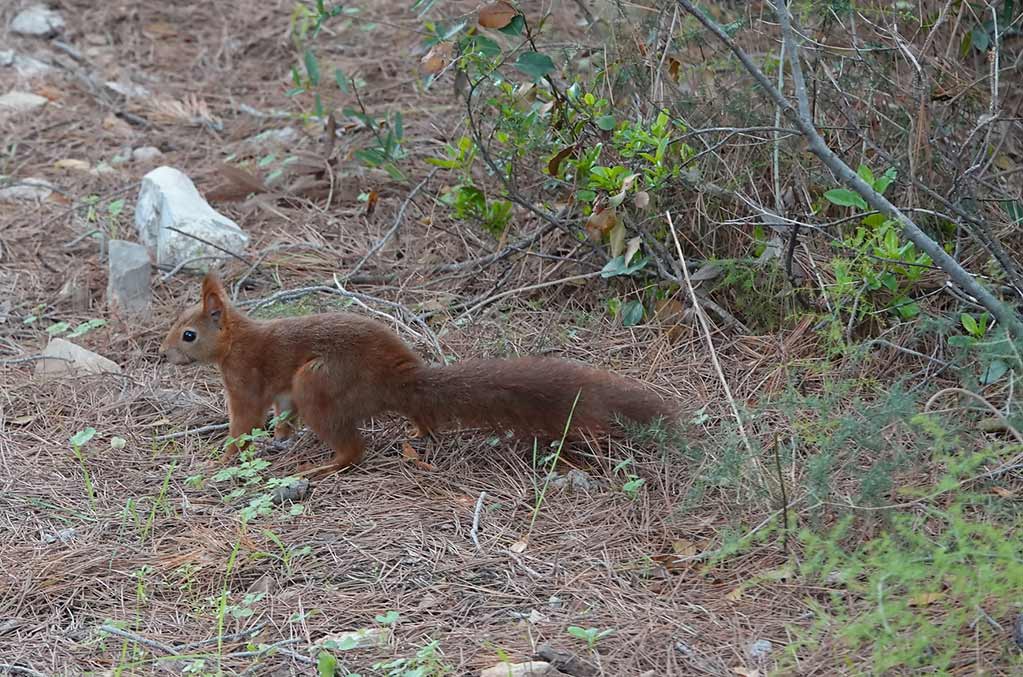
pixel 78 441
pixel 592 636
pixel 924 593
pixel 427 662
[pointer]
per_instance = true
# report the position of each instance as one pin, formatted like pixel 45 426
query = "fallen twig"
pixel 474 532
pixel 706 332
pixel 399 217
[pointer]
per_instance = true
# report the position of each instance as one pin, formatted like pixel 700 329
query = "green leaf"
pixel 115 208
pixel 82 437
pixel 312 68
pixel 58 328
pixel 606 122
pixel 875 220
pixel 617 266
pixel 881 185
pixel 994 371
pixel 630 488
pixel 535 65
pixel 1014 210
pixel 965 44
pixel 632 313
pixel 843 197
pixel 484 46
pixel 390 618
pixel 969 324
pixel 86 327
pixel 326 664
pixel 981 40
pixel 345 644
pixel 399 126
pixel 865 174
pixel 515 26
pixel 961 341
pixel 342 80
pixel 614 306
pixel 906 309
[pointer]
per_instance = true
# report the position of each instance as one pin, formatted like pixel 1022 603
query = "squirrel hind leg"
pixel 344 439
pixel 325 414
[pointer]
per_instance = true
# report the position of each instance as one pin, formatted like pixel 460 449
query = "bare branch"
pixel 845 174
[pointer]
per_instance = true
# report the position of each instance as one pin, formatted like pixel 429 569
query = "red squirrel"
pixel 336 370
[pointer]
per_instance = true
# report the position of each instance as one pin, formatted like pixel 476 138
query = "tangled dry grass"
pixel 151 554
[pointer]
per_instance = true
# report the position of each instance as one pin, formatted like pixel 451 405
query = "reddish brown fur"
pixel 336 370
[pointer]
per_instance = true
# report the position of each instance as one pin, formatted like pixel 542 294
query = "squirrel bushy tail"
pixel 530 395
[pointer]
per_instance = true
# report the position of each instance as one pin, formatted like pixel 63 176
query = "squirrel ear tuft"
pixel 213 299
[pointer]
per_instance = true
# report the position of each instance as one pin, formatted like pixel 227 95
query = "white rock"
pixel 128 287
pixel 29 67
pixel 38 20
pixel 26 66
pixel 146 154
pixel 365 638
pixel 73 358
pixel 20 102
pixel 26 190
pixel 169 199
pixel 760 649
pixel 283 136
pixel 529 669
pixel 64 535
pixel 128 91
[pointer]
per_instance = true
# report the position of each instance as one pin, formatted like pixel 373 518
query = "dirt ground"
pixel 152 553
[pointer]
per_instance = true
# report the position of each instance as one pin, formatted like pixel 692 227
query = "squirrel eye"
pixel 188 336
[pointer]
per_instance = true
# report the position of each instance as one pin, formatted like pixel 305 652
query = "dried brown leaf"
pixel 601 221
pixel 632 248
pixel 72 165
pixel 617 240
pixel 437 58
pixel 371 202
pixel 497 15
pixel 554 166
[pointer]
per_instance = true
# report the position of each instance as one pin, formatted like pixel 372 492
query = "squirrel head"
pixel 200 334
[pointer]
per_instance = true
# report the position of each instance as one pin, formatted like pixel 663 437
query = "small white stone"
pixel 39 21
pixel 760 649
pixel 20 102
pixel 282 137
pixel 128 287
pixel 168 199
pixel 366 638
pixel 529 669
pixel 64 535
pixel 72 358
pixel 128 91
pixel 26 190
pixel 146 154
pixel 29 67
